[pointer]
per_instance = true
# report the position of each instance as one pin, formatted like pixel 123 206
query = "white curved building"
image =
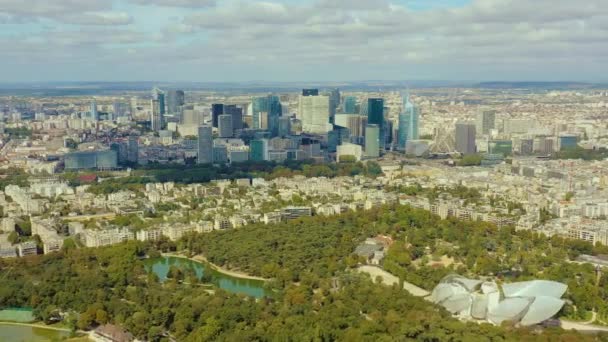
pixel 526 303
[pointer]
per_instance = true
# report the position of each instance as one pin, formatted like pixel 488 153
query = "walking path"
pixel 202 259
pixel 41 326
pixel 390 280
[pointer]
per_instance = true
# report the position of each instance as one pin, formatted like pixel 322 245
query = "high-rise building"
pixel 159 95
pixel 93 112
pixel 220 154
pixel 258 150
pixel 408 123
pixel 156 118
pixel 465 138
pixel 237 116
pixel 334 103
pixel 175 99
pixel 284 126
pixel 375 116
pixel 271 105
pixel 372 141
pixel 568 142
pixel 314 112
pixel 119 109
pixel 205 145
pixel 217 109
pixel 310 92
pixel 350 105
pixel 486 121
pixel 225 126
pixel 133 149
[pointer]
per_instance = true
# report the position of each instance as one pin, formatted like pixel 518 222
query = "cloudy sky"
pixel 307 40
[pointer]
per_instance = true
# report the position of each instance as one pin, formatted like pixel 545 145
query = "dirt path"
pixel 389 279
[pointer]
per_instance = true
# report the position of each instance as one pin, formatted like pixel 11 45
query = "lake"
pixel 15 333
pixel 160 266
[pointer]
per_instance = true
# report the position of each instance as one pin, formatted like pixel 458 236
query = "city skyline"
pixel 230 41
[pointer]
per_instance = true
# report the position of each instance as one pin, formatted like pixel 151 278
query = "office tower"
pixel 354 122
pixel 93 112
pixel 314 111
pixel 284 126
pixel 504 147
pixel 217 109
pixel 263 120
pixel 133 105
pixel 220 154
pixel 334 101
pixel 237 116
pixel 119 109
pixel 568 142
pixel 465 138
pixel 258 150
pixel 271 105
pixel 175 99
pixel 526 146
pixel 205 145
pixel 350 105
pixel 310 92
pixel 408 123
pixel 225 126
pixel 156 118
pixel 159 95
pixel 372 141
pixel 486 121
pixel 191 117
pixel 375 116
pixel 133 150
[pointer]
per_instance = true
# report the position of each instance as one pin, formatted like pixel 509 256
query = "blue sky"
pixel 291 40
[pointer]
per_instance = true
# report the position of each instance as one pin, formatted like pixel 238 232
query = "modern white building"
pixel 314 112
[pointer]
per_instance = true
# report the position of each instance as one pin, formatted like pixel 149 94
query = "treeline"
pixel 581 153
pixel 188 174
pixel 110 285
pixel 317 296
pixel 320 247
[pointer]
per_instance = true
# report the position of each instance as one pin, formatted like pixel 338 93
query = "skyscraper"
pixel 133 149
pixel 372 141
pixel 205 145
pixel 284 126
pixel 314 112
pixel 237 116
pixel 258 150
pixel 334 101
pixel 93 112
pixel 350 105
pixel 225 126
pixel 159 95
pixel 175 99
pixel 408 123
pixel 310 92
pixel 465 138
pixel 217 109
pixel 271 105
pixel 156 118
pixel 375 116
pixel 486 121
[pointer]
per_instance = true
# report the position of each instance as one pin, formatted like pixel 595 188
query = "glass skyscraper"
pixel 375 116
pixel 272 106
pixel 408 123
pixel 350 105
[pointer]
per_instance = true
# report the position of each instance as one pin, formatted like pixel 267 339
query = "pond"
pixel 18 333
pixel 250 287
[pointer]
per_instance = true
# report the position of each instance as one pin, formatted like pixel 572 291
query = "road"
pixel 389 279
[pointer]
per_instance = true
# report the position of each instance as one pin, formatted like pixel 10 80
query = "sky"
pixel 302 40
